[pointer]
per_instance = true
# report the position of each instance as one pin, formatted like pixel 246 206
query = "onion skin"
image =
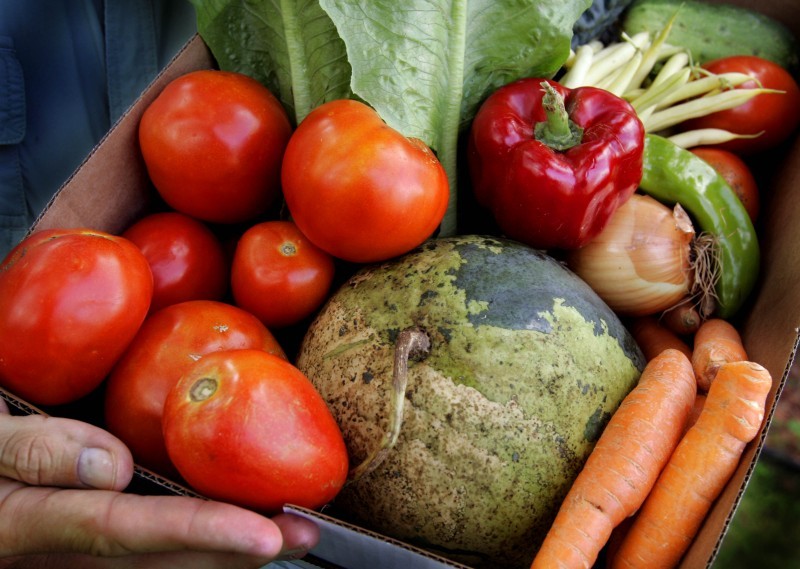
pixel 640 264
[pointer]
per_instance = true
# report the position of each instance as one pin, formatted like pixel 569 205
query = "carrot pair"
pixel 698 470
pixel 624 465
pixel 665 455
pixel 728 413
pixel 716 342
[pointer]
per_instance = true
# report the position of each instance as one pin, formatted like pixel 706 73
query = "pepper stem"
pixel 558 132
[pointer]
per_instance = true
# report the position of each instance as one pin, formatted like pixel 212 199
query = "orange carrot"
pixel 624 465
pixel 653 338
pixel 715 343
pixel 699 403
pixel 698 470
pixel 683 319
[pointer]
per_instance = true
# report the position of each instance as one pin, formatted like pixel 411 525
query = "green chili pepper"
pixel 674 175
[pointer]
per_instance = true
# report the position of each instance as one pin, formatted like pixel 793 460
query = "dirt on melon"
pixel 524 367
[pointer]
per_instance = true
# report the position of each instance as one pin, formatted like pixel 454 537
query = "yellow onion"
pixel 641 263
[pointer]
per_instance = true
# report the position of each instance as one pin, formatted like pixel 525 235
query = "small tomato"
pixel 278 274
pixel 168 342
pixel 737 173
pixel 71 300
pixel 187 259
pixel 213 142
pixel 247 427
pixel 359 189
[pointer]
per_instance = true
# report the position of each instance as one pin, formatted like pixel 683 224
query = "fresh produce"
pixel 653 338
pixel 469 452
pixel 662 84
pixel 554 164
pixel 279 275
pixel 70 302
pixel 767 119
pixel 473 377
pixel 698 470
pixel 736 173
pixel 423 66
pixel 683 318
pixel 625 464
pixel 186 258
pixel 358 189
pixel 166 345
pixel 711 30
pixel 717 342
pixel 212 142
pixel 699 403
pixel 247 427
pixel 643 260
pixel 675 175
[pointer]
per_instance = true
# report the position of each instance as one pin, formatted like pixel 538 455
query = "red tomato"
pixel 213 142
pixel 776 114
pixel 358 189
pixel 736 172
pixel 187 259
pixel 278 274
pixel 169 341
pixel 71 300
pixel 246 427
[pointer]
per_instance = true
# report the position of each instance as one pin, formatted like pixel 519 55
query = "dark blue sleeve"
pixel 13 212
pixel 79 64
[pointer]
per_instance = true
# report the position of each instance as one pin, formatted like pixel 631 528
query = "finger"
pixel 99 522
pixel 4 407
pixel 299 535
pixel 50 451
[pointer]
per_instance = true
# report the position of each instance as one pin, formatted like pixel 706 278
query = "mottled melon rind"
pixel 527 365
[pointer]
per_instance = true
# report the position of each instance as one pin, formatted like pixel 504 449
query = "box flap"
pixel 770 332
pixel 356 548
pixel 111 187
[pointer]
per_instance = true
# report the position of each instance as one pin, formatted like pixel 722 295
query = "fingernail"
pixel 96 468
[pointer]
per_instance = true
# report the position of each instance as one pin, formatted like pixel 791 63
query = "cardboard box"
pixel 111 189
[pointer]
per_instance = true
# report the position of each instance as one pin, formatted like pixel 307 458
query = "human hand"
pixel 61 505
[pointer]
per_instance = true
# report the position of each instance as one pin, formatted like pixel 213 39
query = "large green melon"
pixel 525 367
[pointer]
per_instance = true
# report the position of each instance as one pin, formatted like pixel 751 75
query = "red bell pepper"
pixel 554 164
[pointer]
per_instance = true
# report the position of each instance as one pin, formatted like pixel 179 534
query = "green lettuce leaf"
pixel 424 65
pixel 292 47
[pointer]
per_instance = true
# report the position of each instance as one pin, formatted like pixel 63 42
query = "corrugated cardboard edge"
pixel 771 335
pixel 366 549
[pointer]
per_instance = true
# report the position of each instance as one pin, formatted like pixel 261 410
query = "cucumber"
pixel 710 31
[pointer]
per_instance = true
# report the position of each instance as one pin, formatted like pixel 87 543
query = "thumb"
pixel 50 451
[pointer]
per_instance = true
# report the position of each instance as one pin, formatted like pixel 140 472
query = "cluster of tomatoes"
pixel 174 320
